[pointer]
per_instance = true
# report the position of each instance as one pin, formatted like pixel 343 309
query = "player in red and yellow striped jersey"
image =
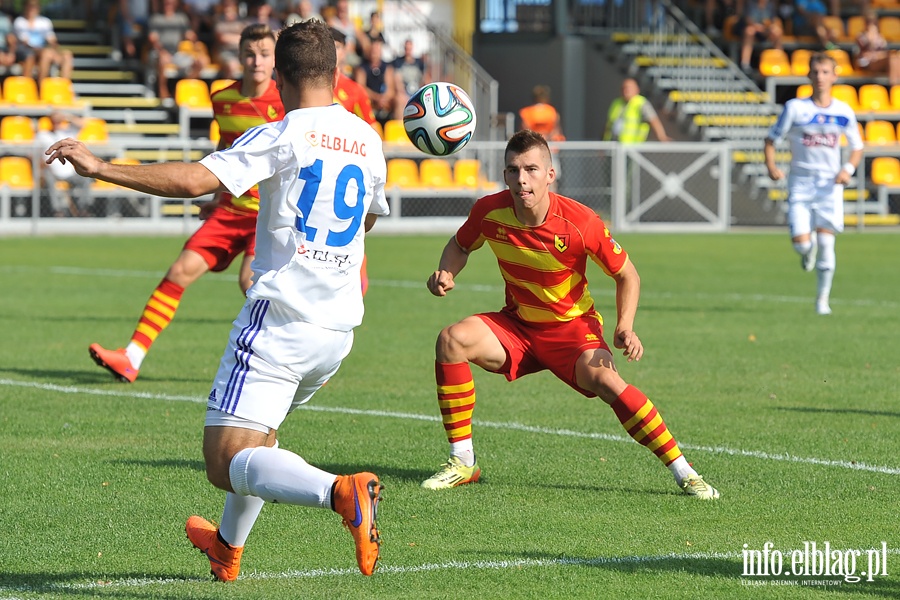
pixel 229 224
pixel 347 92
pixel 542 242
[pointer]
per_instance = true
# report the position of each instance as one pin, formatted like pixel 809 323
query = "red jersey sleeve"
pixel 603 248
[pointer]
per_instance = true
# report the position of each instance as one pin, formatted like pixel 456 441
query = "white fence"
pixel 649 187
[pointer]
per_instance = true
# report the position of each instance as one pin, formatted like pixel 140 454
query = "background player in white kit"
pixel 321 175
pixel 813 126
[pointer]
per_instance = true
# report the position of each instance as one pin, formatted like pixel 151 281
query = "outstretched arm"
pixel 453 260
pixel 170 179
pixel 628 291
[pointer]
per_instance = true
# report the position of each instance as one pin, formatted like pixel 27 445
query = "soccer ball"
pixel 439 118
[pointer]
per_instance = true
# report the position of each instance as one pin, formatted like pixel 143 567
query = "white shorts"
pixel 274 363
pixel 814 203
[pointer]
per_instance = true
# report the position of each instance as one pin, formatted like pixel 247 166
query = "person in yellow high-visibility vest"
pixel 632 116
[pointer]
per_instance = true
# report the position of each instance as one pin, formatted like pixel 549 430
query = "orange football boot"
pixel 115 362
pixel 224 561
pixel 355 498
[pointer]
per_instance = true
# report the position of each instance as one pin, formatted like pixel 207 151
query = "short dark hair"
pixel 525 140
pixel 256 32
pixel 305 54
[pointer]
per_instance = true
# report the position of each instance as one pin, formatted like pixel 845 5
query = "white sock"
pixel 277 475
pixel 238 517
pixel 825 265
pixel 464 451
pixel 681 469
pixel 135 354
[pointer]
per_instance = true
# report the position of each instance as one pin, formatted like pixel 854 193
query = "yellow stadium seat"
pixel 895 97
pixel 774 62
pixel 880 133
pixel 18 89
pixel 192 93
pixel 435 172
pixel 44 124
pixel 467 172
pixel 890 28
pixel 804 91
pixel 402 172
pixel 15 172
pixel 214 133
pixel 874 97
pixel 855 25
pixel 846 93
pixel 886 171
pixel 800 62
pixel 16 129
pixel 94 130
pixel 57 90
pixel 842 58
pixel 835 24
pixel 219 84
pixel 394 132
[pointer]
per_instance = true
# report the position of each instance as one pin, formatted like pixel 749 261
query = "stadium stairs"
pixel 707 94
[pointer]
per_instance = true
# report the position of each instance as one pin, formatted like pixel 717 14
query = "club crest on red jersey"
pixel 561 241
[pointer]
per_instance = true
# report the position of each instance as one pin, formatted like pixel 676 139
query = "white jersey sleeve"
pixel 320 171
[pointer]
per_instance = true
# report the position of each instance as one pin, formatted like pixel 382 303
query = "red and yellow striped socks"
pixel 157 315
pixel 456 398
pixel 643 423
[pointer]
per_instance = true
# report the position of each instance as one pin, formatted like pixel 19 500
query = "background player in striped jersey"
pixel 229 222
pixel 814 126
pixel 321 174
pixel 542 242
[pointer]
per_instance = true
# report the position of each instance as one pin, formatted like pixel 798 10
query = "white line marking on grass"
pixel 509 426
pixel 496 289
pixel 384 570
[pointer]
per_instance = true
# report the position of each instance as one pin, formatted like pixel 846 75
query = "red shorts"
pixel 534 347
pixel 222 237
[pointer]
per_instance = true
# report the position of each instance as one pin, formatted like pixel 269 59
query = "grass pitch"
pixel 794 417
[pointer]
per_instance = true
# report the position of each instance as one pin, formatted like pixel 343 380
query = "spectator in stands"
pixel 411 74
pixel 132 17
pixel 260 11
pixel 809 20
pixel 348 92
pixel 716 11
pixel 759 23
pixel 8 45
pixel 374 32
pixel 814 126
pixel 61 200
pixel 36 37
pixel 541 116
pixel 202 14
pixel 227 36
pixel 872 52
pixel 378 79
pixel 631 117
pixel 302 11
pixel 340 19
pixel 167 30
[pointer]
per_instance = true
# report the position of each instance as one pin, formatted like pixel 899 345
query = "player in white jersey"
pixel 321 175
pixel 813 127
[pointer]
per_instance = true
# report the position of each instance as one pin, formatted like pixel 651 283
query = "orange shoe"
pixel 224 561
pixel 355 498
pixel 115 362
